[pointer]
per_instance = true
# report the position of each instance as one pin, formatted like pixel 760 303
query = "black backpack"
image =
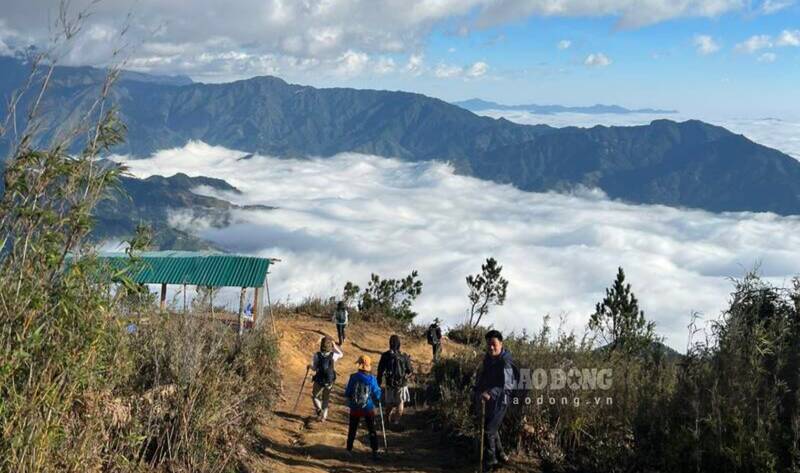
pixel 397 371
pixel 361 394
pixel 325 374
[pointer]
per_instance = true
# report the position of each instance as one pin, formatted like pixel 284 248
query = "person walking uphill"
pixel 340 319
pixel 395 367
pixel 323 365
pixel 434 334
pixel 361 389
pixel 494 386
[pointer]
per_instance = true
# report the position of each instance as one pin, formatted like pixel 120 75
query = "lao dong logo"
pixel 559 386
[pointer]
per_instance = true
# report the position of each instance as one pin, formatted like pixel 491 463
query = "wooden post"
pixel 269 301
pixel 256 305
pixel 163 304
pixel 241 311
pixel 184 298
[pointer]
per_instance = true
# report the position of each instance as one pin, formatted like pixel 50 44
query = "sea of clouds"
pixel 339 219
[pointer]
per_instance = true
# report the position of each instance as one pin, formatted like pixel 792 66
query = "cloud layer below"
pixel 342 218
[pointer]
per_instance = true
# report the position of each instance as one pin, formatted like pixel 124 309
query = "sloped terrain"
pixel 292 441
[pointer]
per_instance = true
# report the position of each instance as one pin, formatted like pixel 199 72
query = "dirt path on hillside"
pixel 295 442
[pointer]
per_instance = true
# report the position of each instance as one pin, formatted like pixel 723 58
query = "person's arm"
pixel 409 366
pixel 376 390
pixel 381 368
pixel 438 333
pixel 337 352
pixel 346 317
pixel 348 391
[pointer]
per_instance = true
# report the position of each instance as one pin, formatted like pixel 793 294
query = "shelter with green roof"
pixel 191 268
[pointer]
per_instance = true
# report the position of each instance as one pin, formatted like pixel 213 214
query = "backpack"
pixel 432 338
pixel 341 316
pixel 361 394
pixel 396 372
pixel 326 374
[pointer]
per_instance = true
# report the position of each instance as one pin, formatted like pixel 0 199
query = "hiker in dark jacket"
pixel 395 369
pixel 361 389
pixel 323 366
pixel 494 386
pixel 340 319
pixel 434 335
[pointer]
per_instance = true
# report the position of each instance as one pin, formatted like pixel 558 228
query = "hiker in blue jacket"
pixel 361 389
pixel 494 386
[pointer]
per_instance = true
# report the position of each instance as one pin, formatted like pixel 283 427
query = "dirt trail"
pixel 294 442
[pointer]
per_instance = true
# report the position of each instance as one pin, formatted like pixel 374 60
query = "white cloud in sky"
pixel 478 69
pixel 444 71
pixel 345 217
pixel 789 38
pixel 564 44
pixel 767 57
pixel 755 43
pixel 352 63
pixel 313 33
pixel 385 65
pixel 773 6
pixel 705 44
pixel 597 60
pixel 416 64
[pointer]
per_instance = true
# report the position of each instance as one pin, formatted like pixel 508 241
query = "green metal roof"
pixel 194 268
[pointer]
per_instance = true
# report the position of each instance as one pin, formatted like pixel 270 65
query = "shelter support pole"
pixel 184 298
pixel 269 301
pixel 211 294
pixel 163 304
pixel 242 294
pixel 256 305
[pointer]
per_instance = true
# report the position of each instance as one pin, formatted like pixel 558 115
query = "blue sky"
pixel 690 55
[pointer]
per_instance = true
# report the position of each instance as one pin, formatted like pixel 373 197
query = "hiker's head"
pixel 436 321
pixel 364 363
pixel 326 344
pixel 494 342
pixel 394 342
pixel 340 305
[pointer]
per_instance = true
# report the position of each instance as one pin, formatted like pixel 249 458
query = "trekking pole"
pixel 483 422
pixel 297 402
pixel 383 428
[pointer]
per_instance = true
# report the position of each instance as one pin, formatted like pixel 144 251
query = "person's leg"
pixel 326 398
pixel 340 333
pixel 351 431
pixel 316 397
pixel 493 450
pixel 373 434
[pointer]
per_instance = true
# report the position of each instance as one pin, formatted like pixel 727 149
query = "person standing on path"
pixel 361 389
pixel 395 368
pixel 323 365
pixel 494 386
pixel 340 319
pixel 434 334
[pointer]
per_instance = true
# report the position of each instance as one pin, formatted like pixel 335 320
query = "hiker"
pixel 494 386
pixel 323 365
pixel 361 388
pixel 434 335
pixel 395 367
pixel 340 318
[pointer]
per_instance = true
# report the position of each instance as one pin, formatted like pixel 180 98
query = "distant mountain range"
pixel 478 105
pixel 688 164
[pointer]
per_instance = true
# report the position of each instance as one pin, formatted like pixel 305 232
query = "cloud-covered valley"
pixel 341 218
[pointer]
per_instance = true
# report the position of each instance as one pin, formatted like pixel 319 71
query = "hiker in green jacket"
pixel 395 368
pixel 340 319
pixel 323 366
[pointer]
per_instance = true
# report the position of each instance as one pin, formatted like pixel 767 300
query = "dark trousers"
pixel 437 351
pixel 353 427
pixel 340 331
pixel 493 447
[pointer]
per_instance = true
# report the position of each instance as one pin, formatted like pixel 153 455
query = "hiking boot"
pixel 503 458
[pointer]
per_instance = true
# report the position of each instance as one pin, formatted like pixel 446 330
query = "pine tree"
pixel 619 321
